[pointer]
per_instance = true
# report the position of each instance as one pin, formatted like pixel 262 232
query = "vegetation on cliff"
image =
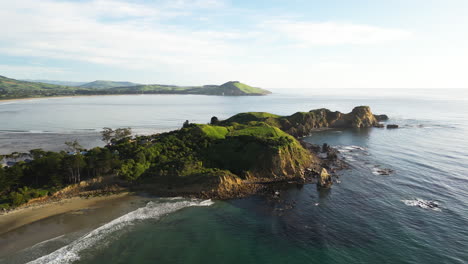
pixel 224 159
pixel 303 123
pixel 195 158
pixel 11 88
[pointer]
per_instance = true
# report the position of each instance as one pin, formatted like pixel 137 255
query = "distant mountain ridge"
pixel 100 84
pixel 11 88
pixel 63 83
pixel 232 88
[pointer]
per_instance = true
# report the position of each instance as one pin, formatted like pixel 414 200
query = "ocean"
pixel 365 217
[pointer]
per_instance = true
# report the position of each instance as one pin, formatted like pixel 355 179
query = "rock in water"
pixel 392 126
pixel 381 117
pixel 325 148
pixel 325 180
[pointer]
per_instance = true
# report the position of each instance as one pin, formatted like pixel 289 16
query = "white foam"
pixel 375 171
pixel 47 241
pixel 425 204
pixel 350 148
pixel 152 210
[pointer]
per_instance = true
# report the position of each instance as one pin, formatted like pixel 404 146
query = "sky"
pixel 305 44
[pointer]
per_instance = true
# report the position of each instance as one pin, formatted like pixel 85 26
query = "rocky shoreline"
pixel 240 156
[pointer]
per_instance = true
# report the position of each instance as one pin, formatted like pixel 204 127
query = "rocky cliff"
pixel 303 123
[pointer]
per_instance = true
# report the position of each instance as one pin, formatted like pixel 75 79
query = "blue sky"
pixel 271 44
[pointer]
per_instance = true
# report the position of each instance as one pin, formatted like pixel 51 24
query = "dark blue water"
pixel 365 218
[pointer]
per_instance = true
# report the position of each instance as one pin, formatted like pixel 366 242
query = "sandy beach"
pixel 27 215
pixel 26 227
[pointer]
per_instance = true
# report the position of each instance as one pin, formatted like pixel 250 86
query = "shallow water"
pixel 366 218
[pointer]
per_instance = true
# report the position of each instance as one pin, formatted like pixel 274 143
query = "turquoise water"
pixel 366 218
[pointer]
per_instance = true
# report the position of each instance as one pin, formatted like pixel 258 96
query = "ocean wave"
pixel 350 148
pixel 152 210
pixel 425 204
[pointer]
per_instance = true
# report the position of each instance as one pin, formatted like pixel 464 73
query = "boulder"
pixel 325 180
pixel 325 148
pixel 381 117
pixel 391 126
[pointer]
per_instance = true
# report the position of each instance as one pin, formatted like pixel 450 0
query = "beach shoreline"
pixel 32 213
pixel 57 97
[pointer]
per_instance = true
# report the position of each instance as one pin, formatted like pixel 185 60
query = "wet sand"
pixel 30 214
pixel 27 227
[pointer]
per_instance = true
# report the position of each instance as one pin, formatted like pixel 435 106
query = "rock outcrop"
pixel 325 180
pixel 303 123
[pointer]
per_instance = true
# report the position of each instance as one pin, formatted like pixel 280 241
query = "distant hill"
pixel 233 88
pixel 107 84
pixel 63 83
pixel 11 88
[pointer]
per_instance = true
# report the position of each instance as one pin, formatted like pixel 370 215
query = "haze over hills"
pixel 64 83
pixel 11 88
pixel 100 84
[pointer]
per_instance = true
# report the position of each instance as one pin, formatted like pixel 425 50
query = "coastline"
pixel 59 97
pixel 94 95
pixel 29 214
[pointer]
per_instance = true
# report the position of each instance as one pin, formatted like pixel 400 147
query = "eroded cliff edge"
pixel 225 159
pixel 237 156
pixel 303 123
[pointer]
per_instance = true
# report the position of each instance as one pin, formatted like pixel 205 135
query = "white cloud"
pixel 71 30
pixel 135 37
pixel 333 33
pixel 9 70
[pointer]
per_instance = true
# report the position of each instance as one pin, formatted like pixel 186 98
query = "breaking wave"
pixel 425 204
pixel 152 210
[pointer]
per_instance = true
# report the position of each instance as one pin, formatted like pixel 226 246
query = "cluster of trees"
pixel 46 171
pixel 49 171
pixel 183 156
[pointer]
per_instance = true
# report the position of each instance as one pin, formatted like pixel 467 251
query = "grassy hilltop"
pixel 223 159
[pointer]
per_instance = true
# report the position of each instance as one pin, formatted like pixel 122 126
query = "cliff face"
pixel 259 151
pixel 232 158
pixel 303 123
pixel 218 161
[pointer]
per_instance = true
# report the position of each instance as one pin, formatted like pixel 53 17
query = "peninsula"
pixel 224 159
pixel 13 89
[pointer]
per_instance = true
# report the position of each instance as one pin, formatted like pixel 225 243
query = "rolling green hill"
pixel 11 88
pixel 233 88
pixel 62 83
pixel 107 84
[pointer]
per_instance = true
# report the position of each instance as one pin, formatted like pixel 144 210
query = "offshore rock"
pixel 391 126
pixel 302 124
pixel 381 117
pixel 325 180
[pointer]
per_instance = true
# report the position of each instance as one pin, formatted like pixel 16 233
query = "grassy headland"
pixel 223 159
pixel 11 89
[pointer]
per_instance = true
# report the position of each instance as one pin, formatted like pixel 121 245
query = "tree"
pixel 74 146
pixel 75 162
pixel 214 120
pixel 186 124
pixel 3 180
pixel 107 134
pixel 121 133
